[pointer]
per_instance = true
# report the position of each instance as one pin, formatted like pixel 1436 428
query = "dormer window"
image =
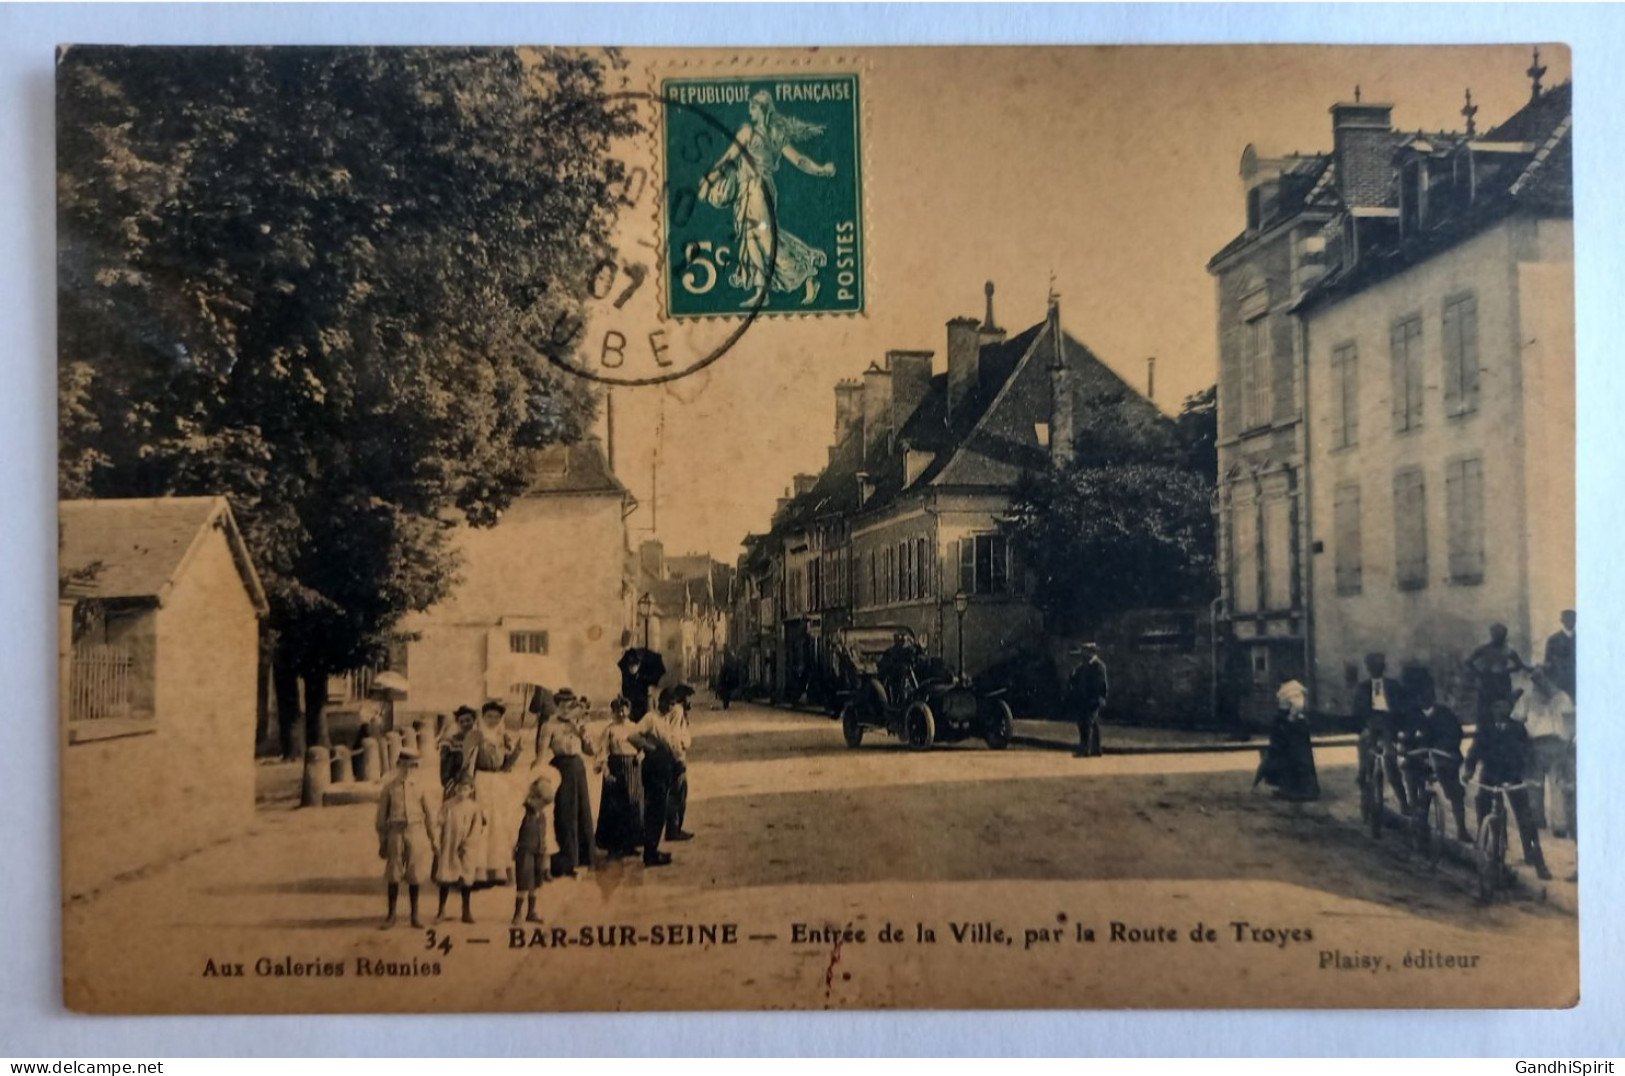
pixel 1412 196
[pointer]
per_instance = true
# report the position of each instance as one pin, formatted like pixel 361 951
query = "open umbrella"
pixel 651 666
pixel 390 683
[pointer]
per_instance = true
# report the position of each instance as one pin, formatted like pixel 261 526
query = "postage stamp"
pixel 796 158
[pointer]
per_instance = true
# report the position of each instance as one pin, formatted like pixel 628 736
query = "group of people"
pixel 455 832
pixel 1523 745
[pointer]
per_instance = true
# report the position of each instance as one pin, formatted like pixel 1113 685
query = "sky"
pixel 1112 171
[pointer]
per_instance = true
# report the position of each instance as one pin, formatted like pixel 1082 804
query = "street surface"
pixel 1009 859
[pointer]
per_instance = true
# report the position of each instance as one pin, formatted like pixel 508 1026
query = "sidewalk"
pixel 1144 740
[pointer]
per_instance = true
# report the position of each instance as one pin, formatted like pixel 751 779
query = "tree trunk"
pixel 290 730
pixel 316 708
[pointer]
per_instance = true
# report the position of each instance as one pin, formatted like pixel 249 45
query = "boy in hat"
pixel 530 849
pixel 406 831
pixel 1501 746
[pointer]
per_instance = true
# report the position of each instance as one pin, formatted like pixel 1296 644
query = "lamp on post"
pixel 961 603
pixel 646 606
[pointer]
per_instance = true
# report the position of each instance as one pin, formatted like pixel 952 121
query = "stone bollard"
pixel 368 761
pixel 318 773
pixel 342 773
pixel 426 744
pixel 392 750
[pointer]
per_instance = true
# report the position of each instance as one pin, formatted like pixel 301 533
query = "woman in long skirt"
pixel 1289 762
pixel 495 751
pixel 563 741
pixel 620 806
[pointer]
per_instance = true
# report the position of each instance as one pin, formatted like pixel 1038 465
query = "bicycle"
pixel 1490 849
pixel 1430 811
pixel 1371 792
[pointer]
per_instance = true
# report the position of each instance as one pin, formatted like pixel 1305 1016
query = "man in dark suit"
pixel 1379 705
pixel 1560 655
pixel 1438 729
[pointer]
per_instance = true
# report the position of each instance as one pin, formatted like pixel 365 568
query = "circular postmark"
pixel 623 333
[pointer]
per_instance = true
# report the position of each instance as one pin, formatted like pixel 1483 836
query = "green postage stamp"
pixel 764 195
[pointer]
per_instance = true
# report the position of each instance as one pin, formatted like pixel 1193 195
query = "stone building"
pixel 160 636
pixel 1369 324
pixel 543 596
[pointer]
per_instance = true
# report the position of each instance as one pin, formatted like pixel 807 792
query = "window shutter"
pixel 1453 364
pixel 1413 373
pixel 1396 349
pixel 1469 354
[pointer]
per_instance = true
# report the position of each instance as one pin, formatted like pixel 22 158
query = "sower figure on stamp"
pixel 1086 693
pixel 1379 704
pixel 749 188
pixel 406 831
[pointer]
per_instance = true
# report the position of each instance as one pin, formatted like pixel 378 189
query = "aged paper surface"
pixel 861 528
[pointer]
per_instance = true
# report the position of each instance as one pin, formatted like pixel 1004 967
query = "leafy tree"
pixel 1127 524
pixel 305 278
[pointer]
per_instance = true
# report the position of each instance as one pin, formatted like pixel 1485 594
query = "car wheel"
pixel 919 726
pixel 1001 725
pixel 851 727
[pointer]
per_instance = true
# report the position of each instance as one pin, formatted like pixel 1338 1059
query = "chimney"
pixel 848 409
pixel 1363 150
pixel 964 363
pixel 1063 429
pixel 804 483
pixel 910 381
pixel 876 407
pixel 989 332
pixel 652 558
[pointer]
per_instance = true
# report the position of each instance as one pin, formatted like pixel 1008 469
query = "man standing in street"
pixel 1560 656
pixel 1547 713
pixel 682 738
pixel 1379 706
pixel 658 741
pixel 1086 693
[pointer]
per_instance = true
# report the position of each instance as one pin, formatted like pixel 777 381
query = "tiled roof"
pixel 1540 181
pixel 138 547
pixel 577 468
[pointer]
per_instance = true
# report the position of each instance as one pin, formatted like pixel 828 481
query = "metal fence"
pixel 103 683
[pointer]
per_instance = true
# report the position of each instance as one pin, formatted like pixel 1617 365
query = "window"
pixel 1464 515
pixel 1345 396
pixel 1277 553
pixel 1244 555
pixel 527 642
pixel 1255 373
pixel 1410 531
pixel 1346 537
pixel 874 581
pixel 1461 355
pixel 922 571
pixel 984 565
pixel 1406 346
pixel 905 557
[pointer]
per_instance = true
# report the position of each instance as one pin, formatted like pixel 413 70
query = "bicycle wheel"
pixel 1489 853
pixel 1375 783
pixel 1438 818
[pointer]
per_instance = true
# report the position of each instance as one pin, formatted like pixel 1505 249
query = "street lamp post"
pixel 646 606
pixel 961 603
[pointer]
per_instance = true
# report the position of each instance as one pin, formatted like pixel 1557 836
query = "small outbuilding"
pixel 158 634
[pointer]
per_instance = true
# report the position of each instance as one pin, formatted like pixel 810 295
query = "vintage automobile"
pixel 889 683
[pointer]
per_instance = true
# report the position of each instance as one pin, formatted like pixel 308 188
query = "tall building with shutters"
pixel 1396 400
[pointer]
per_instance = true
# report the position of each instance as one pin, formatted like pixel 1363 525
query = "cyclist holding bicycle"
pixel 1437 729
pixel 1379 705
pixel 1501 748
